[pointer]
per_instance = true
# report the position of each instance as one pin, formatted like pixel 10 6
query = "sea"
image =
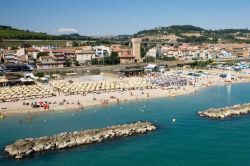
pixel 189 141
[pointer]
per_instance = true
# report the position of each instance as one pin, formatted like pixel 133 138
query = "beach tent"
pixel 150 68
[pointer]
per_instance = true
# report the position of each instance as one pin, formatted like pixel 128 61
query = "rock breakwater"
pixel 221 113
pixel 25 147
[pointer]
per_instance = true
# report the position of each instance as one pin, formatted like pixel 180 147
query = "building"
pixel 101 51
pixel 10 57
pixel 57 54
pixel 136 50
pixel 69 44
pixel 69 54
pixel 48 62
pixel 31 55
pixel 84 56
pixel 126 56
pixel 152 52
pixel 116 47
pixel 240 51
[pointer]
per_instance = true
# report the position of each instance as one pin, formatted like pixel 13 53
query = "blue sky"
pixel 110 17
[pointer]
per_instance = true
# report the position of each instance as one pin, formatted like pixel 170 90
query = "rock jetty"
pixel 221 113
pixel 25 147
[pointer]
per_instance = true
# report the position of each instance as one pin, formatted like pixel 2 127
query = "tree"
pixel 149 59
pixel 40 54
pixel 67 63
pixel 169 58
pixel 2 60
pixel 76 63
pixel 113 59
pixel 39 74
pixel 75 44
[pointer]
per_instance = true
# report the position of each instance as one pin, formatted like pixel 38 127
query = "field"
pixel 17 43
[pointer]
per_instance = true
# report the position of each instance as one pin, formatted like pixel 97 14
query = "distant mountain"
pixel 174 29
pixel 175 33
pixel 192 34
pixel 74 36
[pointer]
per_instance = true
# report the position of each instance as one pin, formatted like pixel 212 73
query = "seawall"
pixel 221 113
pixel 26 147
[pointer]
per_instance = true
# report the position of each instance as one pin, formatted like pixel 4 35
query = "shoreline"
pixel 124 98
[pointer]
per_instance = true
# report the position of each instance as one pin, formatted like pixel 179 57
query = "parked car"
pixel 17 68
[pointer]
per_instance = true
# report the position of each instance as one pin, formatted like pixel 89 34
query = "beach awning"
pixel 23 80
pixel 29 80
pixel 44 79
pixel 3 80
pixel 150 66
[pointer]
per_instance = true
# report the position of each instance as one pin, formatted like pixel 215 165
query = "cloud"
pixel 67 30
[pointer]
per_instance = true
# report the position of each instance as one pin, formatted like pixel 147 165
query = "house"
pixel 69 44
pixel 31 52
pixel 48 62
pixel 70 54
pixel 224 53
pixel 126 56
pixel 31 55
pixel 101 51
pixel 20 52
pixel 23 59
pixel 57 54
pixel 240 51
pixel 10 57
pixel 116 47
pixel 84 56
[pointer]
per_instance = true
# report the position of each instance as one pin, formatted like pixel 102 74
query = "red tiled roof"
pixel 126 56
pixel 54 50
pixel 31 49
pixel 46 57
pixel 69 51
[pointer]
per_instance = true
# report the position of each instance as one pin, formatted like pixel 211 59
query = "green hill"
pixel 178 33
pixel 192 34
pixel 7 32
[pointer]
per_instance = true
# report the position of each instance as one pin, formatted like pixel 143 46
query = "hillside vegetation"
pixel 175 33
pixel 192 34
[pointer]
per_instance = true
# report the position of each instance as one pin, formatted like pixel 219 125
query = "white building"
pixel 101 51
pixel 225 54
pixel 20 52
pixel 152 52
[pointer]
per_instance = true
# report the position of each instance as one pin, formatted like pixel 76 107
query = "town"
pixel 49 57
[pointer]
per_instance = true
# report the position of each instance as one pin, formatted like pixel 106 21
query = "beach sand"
pixel 80 102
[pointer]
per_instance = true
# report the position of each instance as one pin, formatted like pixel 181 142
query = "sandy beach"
pixel 79 102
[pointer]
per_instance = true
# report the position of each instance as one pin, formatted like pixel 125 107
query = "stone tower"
pixel 137 49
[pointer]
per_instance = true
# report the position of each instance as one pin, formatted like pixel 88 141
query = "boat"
pixel 228 77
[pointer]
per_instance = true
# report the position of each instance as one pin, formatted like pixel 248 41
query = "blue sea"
pixel 190 141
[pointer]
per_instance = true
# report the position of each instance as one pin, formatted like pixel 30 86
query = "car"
pixel 18 68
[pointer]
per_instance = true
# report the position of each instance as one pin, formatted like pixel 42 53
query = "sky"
pixel 113 17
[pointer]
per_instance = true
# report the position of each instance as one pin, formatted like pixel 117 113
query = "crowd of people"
pixel 169 81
